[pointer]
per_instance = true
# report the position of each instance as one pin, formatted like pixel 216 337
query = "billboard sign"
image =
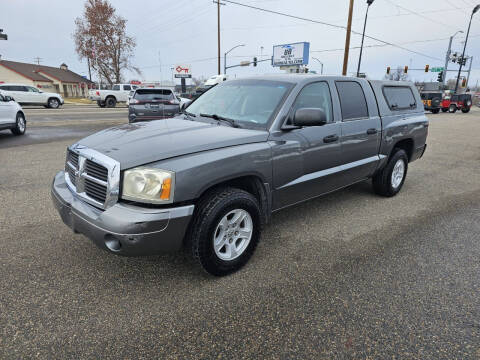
pixel 291 54
pixel 183 71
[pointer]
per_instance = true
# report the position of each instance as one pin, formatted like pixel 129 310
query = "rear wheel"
pixel 53 103
pixel 111 102
pixel 465 110
pixel 444 110
pixel 435 111
pixel 225 230
pixel 20 125
pixel 452 109
pixel 101 104
pixel 389 181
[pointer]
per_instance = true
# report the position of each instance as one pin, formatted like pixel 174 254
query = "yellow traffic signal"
pixel 427 67
pixel 388 69
pixel 406 69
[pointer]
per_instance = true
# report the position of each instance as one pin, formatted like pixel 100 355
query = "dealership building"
pixel 47 78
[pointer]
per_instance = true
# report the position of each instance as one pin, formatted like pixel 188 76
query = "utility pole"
pixel 218 33
pixel 447 58
pixel 347 39
pixel 37 60
pixel 469 70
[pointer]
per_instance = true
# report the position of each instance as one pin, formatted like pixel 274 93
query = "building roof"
pixel 34 72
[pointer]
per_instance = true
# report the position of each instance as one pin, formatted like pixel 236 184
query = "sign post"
pixel 183 72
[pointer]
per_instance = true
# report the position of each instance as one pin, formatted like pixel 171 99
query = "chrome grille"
pixel 93 176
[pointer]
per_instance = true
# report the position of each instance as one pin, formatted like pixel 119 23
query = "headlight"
pixel 148 185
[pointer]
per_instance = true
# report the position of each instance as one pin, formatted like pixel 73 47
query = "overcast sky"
pixel 185 32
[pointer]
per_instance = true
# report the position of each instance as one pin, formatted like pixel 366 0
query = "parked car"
pixel 110 98
pixel 432 101
pixel 11 115
pixel 152 104
pixel 456 102
pixel 209 179
pixel 209 83
pixel 183 102
pixel 30 95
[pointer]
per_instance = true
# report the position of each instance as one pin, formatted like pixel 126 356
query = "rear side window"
pixel 352 100
pixel 127 87
pixel 153 94
pixel 399 97
pixel 116 87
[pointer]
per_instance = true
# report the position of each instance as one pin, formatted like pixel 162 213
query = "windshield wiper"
pixel 218 117
pixel 188 114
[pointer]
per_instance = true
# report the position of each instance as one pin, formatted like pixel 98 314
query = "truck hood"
pixel 145 142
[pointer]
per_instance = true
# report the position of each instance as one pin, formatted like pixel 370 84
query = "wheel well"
pixel 110 97
pixel 23 114
pixel 252 184
pixel 406 145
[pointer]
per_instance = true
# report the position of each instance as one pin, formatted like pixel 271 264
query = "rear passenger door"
pixel 361 130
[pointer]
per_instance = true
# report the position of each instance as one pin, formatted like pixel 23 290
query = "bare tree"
pixel 100 36
pixel 397 75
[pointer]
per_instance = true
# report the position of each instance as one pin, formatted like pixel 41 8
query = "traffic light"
pixel 406 69
pixel 255 61
pixel 440 76
pixel 388 70
pixel 427 67
pixel 464 61
pixel 464 83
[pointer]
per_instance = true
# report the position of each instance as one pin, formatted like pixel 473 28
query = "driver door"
pixel 307 160
pixel 4 111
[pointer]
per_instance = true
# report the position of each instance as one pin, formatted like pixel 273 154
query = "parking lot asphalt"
pixel 347 276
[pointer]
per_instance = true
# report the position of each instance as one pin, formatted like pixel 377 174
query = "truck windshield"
pixel 248 102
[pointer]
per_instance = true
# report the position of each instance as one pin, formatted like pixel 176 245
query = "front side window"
pixel 316 95
pixel 352 100
pixel 127 87
pixel 248 102
pixel 32 89
pixel 401 97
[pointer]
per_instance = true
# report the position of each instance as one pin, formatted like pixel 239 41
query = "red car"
pixel 457 102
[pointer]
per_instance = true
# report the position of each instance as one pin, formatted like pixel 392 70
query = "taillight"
pixel 133 101
pixel 97 92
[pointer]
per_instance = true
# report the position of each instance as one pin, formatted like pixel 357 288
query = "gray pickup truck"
pixel 209 179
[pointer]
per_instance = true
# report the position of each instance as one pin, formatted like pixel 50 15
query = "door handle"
pixel 371 131
pixel 330 138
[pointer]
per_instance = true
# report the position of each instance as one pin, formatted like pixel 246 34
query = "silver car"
pixel 152 104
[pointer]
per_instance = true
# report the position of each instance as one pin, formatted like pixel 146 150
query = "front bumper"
pixel 122 229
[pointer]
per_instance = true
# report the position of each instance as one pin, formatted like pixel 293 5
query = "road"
pixel 347 276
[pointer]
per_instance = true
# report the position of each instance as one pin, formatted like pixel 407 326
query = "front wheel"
pixel 435 111
pixel 225 230
pixel 389 181
pixel 452 109
pixel 465 110
pixel 53 103
pixel 444 110
pixel 20 125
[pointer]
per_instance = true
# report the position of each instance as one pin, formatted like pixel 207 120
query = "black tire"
pixel 465 110
pixel 53 103
pixel 382 181
pixel 211 209
pixel 452 109
pixel 20 128
pixel 110 102
pixel 101 104
pixel 435 111
pixel 444 110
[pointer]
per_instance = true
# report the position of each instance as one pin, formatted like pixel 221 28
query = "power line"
pixel 419 14
pixel 331 25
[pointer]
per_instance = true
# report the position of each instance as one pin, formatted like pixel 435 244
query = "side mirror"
pixel 8 98
pixel 309 117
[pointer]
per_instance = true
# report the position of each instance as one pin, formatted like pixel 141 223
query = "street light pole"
pixel 369 2
pixel 321 71
pixel 447 58
pixel 475 9
pixel 225 57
